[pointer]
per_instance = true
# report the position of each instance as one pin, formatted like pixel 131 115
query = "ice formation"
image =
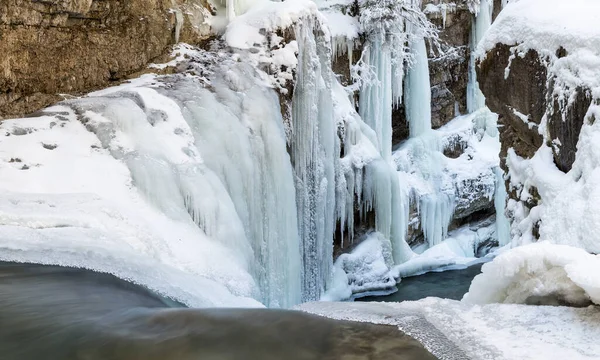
pixel 365 271
pixel 435 205
pixel 417 91
pixel 313 151
pixel 174 151
pixel 502 223
pixel 453 330
pixel 482 22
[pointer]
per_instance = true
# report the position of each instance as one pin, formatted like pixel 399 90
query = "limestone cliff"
pixel 57 47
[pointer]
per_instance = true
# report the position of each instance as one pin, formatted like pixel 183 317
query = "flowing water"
pixel 52 313
pixel 446 284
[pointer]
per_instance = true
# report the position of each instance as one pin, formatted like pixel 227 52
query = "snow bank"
pixel 455 330
pixel 540 273
pixel 66 201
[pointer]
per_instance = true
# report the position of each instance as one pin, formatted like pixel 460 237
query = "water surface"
pixel 58 313
pixel 451 284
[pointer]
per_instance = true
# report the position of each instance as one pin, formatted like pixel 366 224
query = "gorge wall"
pixel 543 83
pixel 57 47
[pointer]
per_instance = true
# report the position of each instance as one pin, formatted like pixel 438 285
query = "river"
pixel 451 284
pixel 58 313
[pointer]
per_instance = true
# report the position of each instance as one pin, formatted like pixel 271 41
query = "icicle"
pixel 313 147
pixel 482 22
pixel 375 102
pixel 178 24
pixel 444 8
pixel 436 212
pixel 417 92
pixel 502 223
pixel 381 189
pixel 230 9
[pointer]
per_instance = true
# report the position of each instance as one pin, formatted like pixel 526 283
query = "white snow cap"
pixel 547 25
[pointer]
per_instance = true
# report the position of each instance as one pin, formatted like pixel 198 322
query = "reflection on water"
pixel 52 313
pixel 447 285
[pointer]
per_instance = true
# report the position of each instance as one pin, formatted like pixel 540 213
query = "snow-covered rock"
pixel 538 274
pixel 364 271
pixel 539 69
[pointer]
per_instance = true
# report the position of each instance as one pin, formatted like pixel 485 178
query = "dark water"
pixel 447 284
pixel 57 313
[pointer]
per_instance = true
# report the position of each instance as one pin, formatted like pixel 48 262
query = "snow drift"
pixel 540 273
pixel 453 330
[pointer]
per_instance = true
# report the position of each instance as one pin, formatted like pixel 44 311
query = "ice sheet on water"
pixel 454 330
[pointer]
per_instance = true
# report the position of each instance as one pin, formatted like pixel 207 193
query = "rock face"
pixel 72 46
pixel 522 93
pixel 522 99
pixel 449 72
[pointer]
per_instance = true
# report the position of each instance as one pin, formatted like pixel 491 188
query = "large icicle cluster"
pixel 232 178
pixel 259 207
pixel 329 189
pixel 313 149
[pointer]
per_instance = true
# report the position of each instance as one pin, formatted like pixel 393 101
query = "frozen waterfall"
pixel 239 191
pixel 313 151
pixel 417 93
pixel 382 190
pixel 481 23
